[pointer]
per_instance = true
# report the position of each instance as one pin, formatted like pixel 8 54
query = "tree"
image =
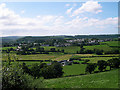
pixel 62 50
pixel 52 50
pixel 102 65
pixel 88 51
pixel 13 76
pixel 25 68
pixel 57 67
pixel 52 71
pixel 58 50
pixel 81 46
pixel 110 63
pixel 90 67
pixel 99 52
pixel 114 63
pixel 42 49
pixel 35 69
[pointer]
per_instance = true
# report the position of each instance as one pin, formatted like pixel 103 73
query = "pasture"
pixel 111 43
pixel 68 49
pixel 77 69
pixel 101 47
pixel 107 79
pixel 56 57
pixel 5 48
pixel 74 69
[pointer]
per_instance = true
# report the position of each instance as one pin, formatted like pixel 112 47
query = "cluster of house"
pixel 88 40
pixel 75 40
pixel 63 62
pixel 69 42
pixel 79 41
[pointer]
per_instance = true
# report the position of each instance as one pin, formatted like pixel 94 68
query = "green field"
pixel 101 47
pixel 69 49
pixel 111 43
pixel 75 69
pixel 5 48
pixel 29 57
pixel 107 79
pixel 57 57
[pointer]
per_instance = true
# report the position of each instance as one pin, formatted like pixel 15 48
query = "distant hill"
pixel 99 36
pixel 35 38
pixel 10 38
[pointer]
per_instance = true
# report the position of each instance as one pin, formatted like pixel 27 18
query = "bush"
pixel 75 58
pixel 35 69
pixel 25 68
pixel 52 71
pixel 112 52
pixel 13 76
pixel 88 51
pixel 99 52
pixel 53 50
pixel 90 67
pixel 114 63
pixel 76 63
pixel 102 65
pixel 69 63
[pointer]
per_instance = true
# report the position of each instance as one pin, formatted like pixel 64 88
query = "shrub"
pixel 99 52
pixel 76 63
pixel 13 76
pixel 112 52
pixel 25 68
pixel 102 65
pixel 35 69
pixel 90 67
pixel 52 71
pixel 53 50
pixel 114 63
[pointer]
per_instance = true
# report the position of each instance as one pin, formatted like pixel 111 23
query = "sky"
pixel 58 18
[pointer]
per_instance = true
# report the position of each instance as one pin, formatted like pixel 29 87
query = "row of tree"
pixel 39 50
pixel 43 70
pixel 101 64
pixel 97 51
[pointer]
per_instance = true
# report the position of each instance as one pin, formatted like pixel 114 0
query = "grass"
pixel 101 47
pixel 68 49
pixel 107 79
pixel 111 43
pixel 5 48
pixel 30 57
pixel 75 69
pixel 78 61
pixel 63 57
pixel 56 57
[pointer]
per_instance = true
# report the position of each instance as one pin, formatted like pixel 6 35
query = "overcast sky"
pixel 60 18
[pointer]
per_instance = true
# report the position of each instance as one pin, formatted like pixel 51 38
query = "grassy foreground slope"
pixel 99 80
